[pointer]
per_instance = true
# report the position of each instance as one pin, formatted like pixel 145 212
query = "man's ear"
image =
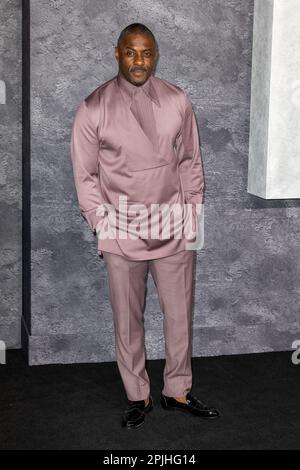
pixel 116 52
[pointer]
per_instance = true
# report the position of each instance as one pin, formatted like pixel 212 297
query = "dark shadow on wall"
pixel 26 128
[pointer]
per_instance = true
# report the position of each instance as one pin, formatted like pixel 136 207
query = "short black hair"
pixel 135 28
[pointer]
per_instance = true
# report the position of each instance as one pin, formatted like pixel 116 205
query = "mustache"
pixel 135 69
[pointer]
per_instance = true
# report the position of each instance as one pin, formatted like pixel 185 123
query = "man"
pixel 135 136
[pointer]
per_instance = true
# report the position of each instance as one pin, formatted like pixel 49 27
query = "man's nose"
pixel 139 60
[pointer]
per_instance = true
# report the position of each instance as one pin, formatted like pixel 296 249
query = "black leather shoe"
pixel 134 415
pixel 193 406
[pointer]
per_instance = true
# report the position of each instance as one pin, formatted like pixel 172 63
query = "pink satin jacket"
pixel 112 157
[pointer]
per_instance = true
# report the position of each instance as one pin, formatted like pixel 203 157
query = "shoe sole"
pixel 174 408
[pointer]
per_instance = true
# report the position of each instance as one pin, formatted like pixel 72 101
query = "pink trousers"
pixel 173 278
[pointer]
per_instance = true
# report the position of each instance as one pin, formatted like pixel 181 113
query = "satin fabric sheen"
pixel 116 152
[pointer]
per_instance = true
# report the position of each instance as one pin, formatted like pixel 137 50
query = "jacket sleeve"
pixel 84 157
pixel 189 157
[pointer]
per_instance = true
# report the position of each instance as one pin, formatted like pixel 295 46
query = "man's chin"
pixel 138 80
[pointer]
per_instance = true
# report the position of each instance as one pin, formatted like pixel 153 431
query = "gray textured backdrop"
pixel 10 174
pixel 247 279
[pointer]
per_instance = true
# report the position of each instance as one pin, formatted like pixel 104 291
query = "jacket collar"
pixel 129 89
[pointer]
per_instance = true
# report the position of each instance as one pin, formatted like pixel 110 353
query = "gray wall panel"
pixel 10 174
pixel 246 291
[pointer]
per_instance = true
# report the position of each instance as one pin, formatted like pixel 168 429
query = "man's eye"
pixel 130 53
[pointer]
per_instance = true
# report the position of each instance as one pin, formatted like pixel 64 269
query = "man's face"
pixel 136 56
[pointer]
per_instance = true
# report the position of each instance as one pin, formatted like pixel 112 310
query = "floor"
pixel 78 406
